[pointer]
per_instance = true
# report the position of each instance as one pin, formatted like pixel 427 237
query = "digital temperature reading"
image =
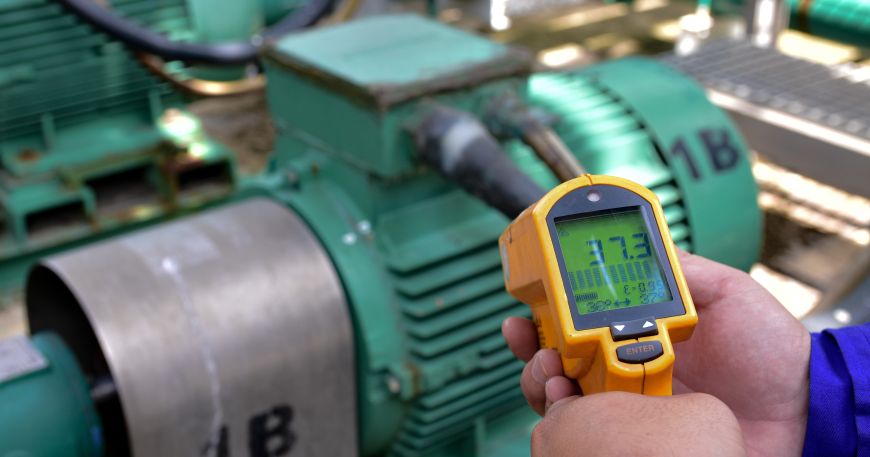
pixel 610 261
pixel 595 262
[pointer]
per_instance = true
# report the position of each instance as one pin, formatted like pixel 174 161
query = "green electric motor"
pixel 359 271
pixel 661 132
pixel 419 254
pixel 47 408
pixel 94 138
pixel 91 142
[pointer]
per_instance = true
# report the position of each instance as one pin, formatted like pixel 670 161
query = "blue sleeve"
pixel 838 423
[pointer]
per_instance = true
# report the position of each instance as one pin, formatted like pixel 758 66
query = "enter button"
pixel 639 352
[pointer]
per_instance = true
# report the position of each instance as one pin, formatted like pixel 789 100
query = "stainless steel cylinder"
pixel 226 333
pixel 765 19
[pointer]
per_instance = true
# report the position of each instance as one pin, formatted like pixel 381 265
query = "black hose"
pixel 461 149
pixel 229 53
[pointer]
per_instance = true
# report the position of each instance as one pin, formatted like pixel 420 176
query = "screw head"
pixel 393 385
pixel 349 238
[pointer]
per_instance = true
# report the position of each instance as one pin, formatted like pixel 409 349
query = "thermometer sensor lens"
pixel 610 260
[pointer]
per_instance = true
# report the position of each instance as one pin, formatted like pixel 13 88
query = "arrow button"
pixel 633 329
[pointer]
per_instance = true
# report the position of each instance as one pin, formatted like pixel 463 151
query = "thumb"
pixel 619 423
pixel 711 281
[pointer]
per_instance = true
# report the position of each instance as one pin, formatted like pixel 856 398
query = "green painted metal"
pixel 713 211
pixel 427 298
pixel 593 119
pixel 417 256
pixel 48 412
pixel 216 21
pixel 57 71
pixel 705 153
pixel 847 21
pixel 355 53
pixel 81 122
pixel 323 95
pixel 54 200
pixel 224 20
pixel 275 10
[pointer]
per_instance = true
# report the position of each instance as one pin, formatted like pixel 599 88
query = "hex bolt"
pixel 349 238
pixel 364 227
pixel 394 385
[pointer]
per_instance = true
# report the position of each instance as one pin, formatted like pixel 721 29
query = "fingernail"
pixel 548 394
pixel 539 373
pixel 549 390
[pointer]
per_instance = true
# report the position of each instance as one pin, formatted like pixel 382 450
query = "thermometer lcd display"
pixel 610 261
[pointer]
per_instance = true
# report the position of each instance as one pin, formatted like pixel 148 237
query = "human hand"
pixel 617 424
pixel 747 351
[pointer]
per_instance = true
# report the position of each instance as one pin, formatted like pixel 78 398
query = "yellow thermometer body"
pixel 595 262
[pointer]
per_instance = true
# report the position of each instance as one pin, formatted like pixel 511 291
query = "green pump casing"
pixel 47 409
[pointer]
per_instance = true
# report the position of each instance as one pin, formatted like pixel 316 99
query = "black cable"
pixel 229 53
pixel 461 149
pixel 510 117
